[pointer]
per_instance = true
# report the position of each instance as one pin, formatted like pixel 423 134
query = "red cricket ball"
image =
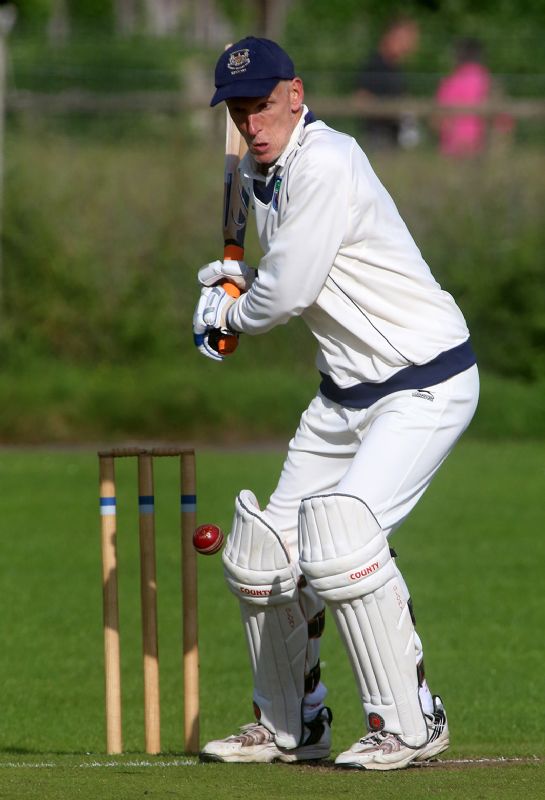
pixel 208 539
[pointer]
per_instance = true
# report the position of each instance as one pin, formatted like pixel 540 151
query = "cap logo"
pixel 238 61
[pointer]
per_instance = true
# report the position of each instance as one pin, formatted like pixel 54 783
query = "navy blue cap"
pixel 251 68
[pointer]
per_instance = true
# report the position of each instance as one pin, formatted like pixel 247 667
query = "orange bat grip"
pixel 227 343
pixel 233 252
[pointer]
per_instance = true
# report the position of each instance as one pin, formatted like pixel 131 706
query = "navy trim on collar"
pixel 362 395
pixel 264 191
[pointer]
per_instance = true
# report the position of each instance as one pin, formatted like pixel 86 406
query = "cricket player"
pixel 398 386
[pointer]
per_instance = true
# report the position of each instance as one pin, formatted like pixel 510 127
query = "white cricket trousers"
pixel 386 454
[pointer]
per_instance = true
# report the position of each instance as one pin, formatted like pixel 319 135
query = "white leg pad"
pixel 346 558
pixel 258 571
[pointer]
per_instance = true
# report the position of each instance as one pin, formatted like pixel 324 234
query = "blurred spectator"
pixel 469 84
pixel 382 76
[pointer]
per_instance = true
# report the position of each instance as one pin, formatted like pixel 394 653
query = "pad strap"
pixel 316 625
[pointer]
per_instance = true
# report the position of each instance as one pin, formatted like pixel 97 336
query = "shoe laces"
pixel 254 731
pixel 374 738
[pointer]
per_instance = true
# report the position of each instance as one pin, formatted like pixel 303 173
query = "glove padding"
pixel 236 272
pixel 217 304
pixel 210 315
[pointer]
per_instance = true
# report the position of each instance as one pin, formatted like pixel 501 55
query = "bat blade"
pixel 235 196
pixel 235 214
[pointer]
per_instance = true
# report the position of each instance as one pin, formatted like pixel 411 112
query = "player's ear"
pixel 297 95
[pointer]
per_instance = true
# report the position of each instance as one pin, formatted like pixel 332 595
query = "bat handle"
pixel 225 343
pixel 233 252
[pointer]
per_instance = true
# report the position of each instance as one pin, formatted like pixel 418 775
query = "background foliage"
pixel 328 40
pixel 107 216
pixel 103 234
pixel 118 226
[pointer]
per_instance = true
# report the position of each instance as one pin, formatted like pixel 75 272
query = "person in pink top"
pixel 469 84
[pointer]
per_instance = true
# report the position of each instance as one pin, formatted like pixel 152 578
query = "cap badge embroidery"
pixel 238 61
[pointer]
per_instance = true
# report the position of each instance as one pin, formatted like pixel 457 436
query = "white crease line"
pixel 17 764
pixel 497 760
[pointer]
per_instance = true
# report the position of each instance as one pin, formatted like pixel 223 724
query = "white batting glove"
pixel 209 318
pixel 201 332
pixel 218 303
pixel 236 272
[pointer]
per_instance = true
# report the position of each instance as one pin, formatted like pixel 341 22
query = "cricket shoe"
pixel 255 744
pixel 438 735
pixel 384 751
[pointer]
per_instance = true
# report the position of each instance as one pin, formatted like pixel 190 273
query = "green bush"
pixel 102 239
pixel 95 63
pixel 479 227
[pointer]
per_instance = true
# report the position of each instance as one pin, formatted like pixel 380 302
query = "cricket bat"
pixel 235 197
pixel 235 214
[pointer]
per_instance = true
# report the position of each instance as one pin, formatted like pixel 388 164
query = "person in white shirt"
pixel 399 385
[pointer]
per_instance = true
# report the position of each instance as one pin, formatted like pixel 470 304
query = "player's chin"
pixel 263 155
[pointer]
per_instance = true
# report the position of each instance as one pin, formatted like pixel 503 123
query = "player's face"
pixel 266 123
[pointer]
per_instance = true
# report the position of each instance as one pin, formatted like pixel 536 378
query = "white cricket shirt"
pixel 337 253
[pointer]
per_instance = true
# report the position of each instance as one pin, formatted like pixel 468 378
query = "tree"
pixel 210 25
pixel 126 16
pixel 271 16
pixel 163 16
pixel 58 25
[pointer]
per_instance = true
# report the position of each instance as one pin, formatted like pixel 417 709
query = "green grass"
pixel 72 777
pixel 472 553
